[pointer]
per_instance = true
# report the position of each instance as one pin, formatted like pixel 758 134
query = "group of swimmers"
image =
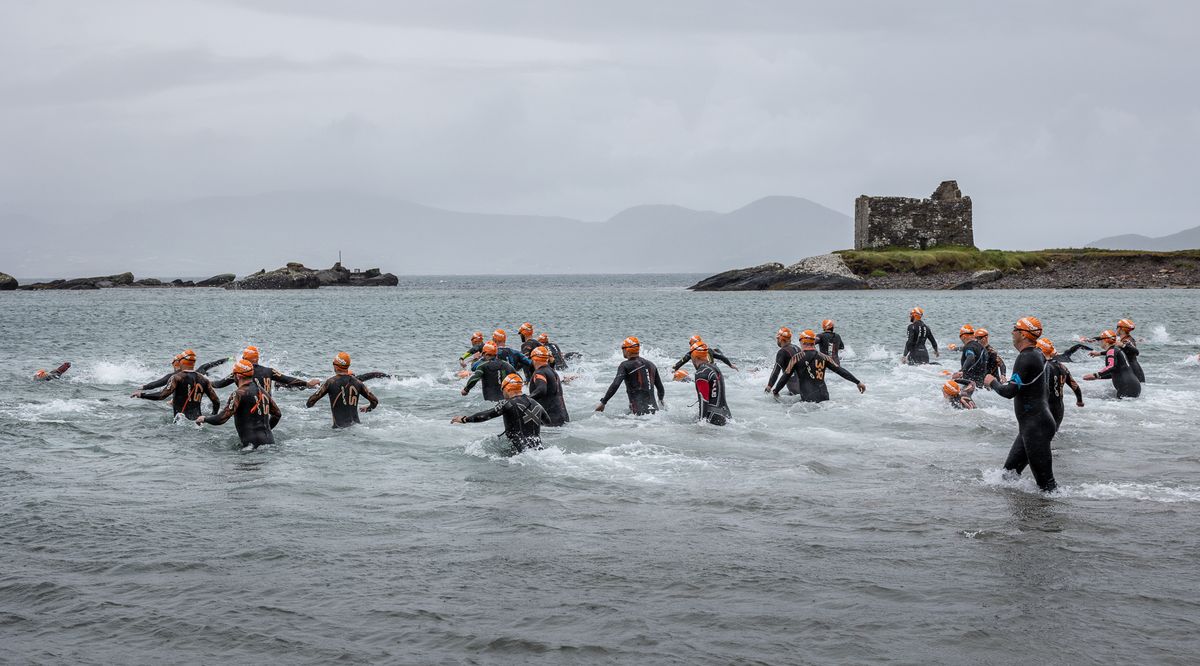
pixel 526 385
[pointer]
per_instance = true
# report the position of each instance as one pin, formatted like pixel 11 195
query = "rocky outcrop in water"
pixel 217 280
pixel 823 272
pixel 979 278
pixel 7 282
pixel 298 276
pixel 105 282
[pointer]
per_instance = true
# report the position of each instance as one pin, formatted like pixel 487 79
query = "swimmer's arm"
pixel 167 391
pixel 231 406
pixel 932 340
pixel 658 384
pixel 222 383
pixel 287 380
pixel 716 354
pixel 321 392
pixel 840 371
pixel 787 373
pixel 158 382
pixel 366 393
pixel 487 414
pixel 777 369
pixel 616 384
pixel 274 411
pixel 911 342
pixel 1110 362
pixel 1074 387
pixel 538 386
pixel 680 362
pixel 210 365
pixel 213 397
pixel 472 381
pixel 368 376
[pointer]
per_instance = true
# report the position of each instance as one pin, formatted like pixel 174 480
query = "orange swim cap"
pixel 981 333
pixel 1046 346
pixel 694 340
pixel 541 355
pixel 631 343
pixel 499 335
pixel 40 374
pixel 916 313
pixel 1108 335
pixel 341 360
pixel 680 375
pixel 700 352
pixel 512 382
pixel 187 359
pixel 827 324
pixel 1125 324
pixel 526 329
pixel 951 389
pixel 243 368
pixel 250 354
pixel 543 338
pixel 477 337
pixel 489 348
pixel 1030 327
pixel 966 329
pixel 807 335
pixel 784 333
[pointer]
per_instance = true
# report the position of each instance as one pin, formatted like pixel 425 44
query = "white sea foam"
pixel 127 371
pixel 1146 492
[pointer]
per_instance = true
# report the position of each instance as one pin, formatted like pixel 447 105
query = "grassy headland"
pixel 957 259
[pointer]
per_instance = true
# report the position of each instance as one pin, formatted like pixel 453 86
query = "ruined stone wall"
pixel 943 219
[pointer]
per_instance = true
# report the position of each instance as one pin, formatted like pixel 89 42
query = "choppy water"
pixel 870 528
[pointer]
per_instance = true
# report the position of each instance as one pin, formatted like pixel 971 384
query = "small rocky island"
pixel 292 276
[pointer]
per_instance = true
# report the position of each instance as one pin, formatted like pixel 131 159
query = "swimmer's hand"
pixel 1079 403
pixel 989 379
pixel 862 388
pixel 951 346
pixel 464 391
pixel 136 394
pixel 768 389
pixel 735 368
pixel 957 375
pixel 364 410
pixel 1095 353
pixel 937 353
pixel 458 419
pixel 600 407
pixel 314 383
pixel 199 420
pixel 1089 377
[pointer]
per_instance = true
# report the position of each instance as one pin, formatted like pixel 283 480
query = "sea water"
pixel 870 528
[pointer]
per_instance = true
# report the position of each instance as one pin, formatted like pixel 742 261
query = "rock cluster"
pixel 824 272
pixel 297 276
pixel 104 282
pixel 7 282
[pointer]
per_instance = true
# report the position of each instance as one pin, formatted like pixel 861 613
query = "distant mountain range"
pixel 242 234
pixel 1188 239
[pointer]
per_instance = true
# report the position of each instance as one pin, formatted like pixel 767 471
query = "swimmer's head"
pixel 981 334
pixel 526 330
pixel 695 340
pixel 631 347
pixel 783 336
pixel 341 363
pixel 951 389
pixel 243 369
pixel 827 324
pixel 543 338
pixel 175 362
pixel 1125 325
pixel 512 385
pixel 1029 328
pixel 40 374
pixel 808 337
pixel 699 352
pixel 1046 347
pixel 967 331
pixel 187 360
pixel 915 314
pixel 540 357
pixel 250 354
pixel 477 338
pixel 489 348
pixel 1107 338
pixel 499 336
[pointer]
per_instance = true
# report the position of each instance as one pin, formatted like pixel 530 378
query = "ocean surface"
pixel 872 528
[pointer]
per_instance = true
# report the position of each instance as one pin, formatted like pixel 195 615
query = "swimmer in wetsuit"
pixel 993 364
pixel 1127 344
pixel 546 388
pixel 523 416
pixel 558 360
pixel 640 378
pixel 491 371
pixel 958 394
pixel 783 358
pixel 1059 377
pixel 713 352
pixel 973 357
pixel 918 333
pixel 809 367
pixel 252 408
pixel 528 342
pixel 43 376
pixel 1117 368
pixel 830 343
pixel 186 388
pixel 511 356
pixel 162 381
pixel 266 377
pixel 475 350
pixel 1028 389
pixel 710 387
pixel 344 390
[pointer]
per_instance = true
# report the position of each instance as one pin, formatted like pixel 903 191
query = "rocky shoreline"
pixel 1061 270
pixel 292 276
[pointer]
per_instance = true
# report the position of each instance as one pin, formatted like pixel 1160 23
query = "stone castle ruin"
pixel 942 219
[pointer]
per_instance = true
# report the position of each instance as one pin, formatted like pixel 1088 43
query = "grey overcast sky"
pixel 1065 121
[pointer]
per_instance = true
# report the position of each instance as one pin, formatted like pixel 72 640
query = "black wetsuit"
pixel 187 389
pixel 1059 378
pixel 1129 346
pixel 203 369
pixel 516 359
pixel 710 389
pixel 914 347
pixel 546 388
pixel 254 414
pixel 809 367
pixel 523 421
pixel 995 364
pixel 528 345
pixel 266 378
pixel 368 376
pixel 712 351
pixel 1065 357
pixel 475 349
pixel 491 372
pixel 974 361
pixel 1028 389
pixel 783 359
pixel 344 391
pixel 559 361
pixel 641 381
pixel 57 372
pixel 830 344
pixel 1117 368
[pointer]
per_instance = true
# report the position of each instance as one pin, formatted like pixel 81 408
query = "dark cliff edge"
pixel 969 268
pixel 291 276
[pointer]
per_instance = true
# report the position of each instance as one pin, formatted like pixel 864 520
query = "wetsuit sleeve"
pixel 210 365
pixel 1000 366
pixel 1023 368
pixel 841 345
pixel 212 396
pixel 1110 362
pixel 911 342
pixel 366 393
pixel 787 373
pixel 662 390
pixel 538 385
pixel 1070 381
pixel 473 380
pixel 839 370
pixel 222 383
pixel 509 369
pixel 231 406
pixel 969 360
pixel 929 336
pixel 487 414
pixel 524 361
pixel 158 382
pixel 368 376
pixel 273 409
pixel 287 380
pixel 780 359
pixel 1131 350
pixel 616 384
pixel 1074 348
pixel 322 390
pixel 718 356
pixel 163 394
pixel 680 362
